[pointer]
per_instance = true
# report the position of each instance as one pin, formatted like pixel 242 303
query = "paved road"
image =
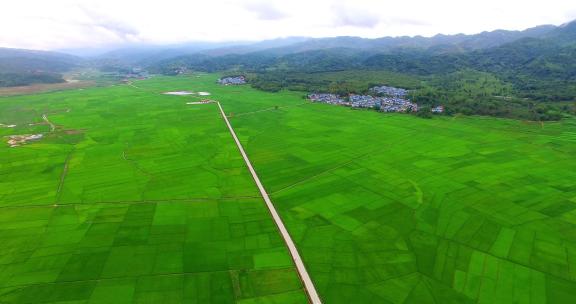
pixel 308 285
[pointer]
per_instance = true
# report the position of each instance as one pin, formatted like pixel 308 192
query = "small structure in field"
pixel 203 101
pixel 438 109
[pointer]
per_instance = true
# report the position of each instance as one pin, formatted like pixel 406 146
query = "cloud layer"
pixel 58 24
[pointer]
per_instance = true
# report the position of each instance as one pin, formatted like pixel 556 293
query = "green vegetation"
pixel 134 197
pixel 466 92
pixel 471 92
pixel 526 75
pixel 342 83
pixel 25 67
pixel 389 208
pixel 456 81
pixel 155 202
pixel 22 79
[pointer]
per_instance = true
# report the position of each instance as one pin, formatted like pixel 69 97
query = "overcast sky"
pixel 56 24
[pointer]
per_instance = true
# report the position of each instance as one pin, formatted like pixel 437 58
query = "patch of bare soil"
pixel 39 88
pixel 73 132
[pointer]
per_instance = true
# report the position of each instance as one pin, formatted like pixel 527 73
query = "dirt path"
pixel 302 272
pixel 40 88
pixel 52 126
pixel 63 176
pixel 318 175
pixel 130 83
pixel 269 109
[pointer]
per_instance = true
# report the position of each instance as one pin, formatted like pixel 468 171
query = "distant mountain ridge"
pixel 143 55
pixel 540 62
pixel 544 51
pixel 456 43
pixel 23 67
pixel 20 60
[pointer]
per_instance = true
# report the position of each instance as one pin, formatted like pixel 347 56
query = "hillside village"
pixel 389 91
pixel 385 99
pixel 232 80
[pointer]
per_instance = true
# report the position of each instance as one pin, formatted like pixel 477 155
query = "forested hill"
pixel 494 73
pixel 143 55
pixel 436 44
pixel 542 68
pixel 540 63
pixel 409 54
pixel 23 67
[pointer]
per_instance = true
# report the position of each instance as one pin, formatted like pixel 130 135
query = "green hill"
pixel 23 67
pixel 538 66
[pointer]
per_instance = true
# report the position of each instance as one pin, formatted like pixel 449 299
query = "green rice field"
pixel 137 197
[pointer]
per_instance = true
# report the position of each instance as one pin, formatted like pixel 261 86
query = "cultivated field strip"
pixel 465 210
pixel 303 273
pixel 154 204
pixel 444 210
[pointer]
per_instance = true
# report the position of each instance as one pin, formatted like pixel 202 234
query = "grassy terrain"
pixel 134 197
pixel 396 209
pixel 385 208
pixel 41 88
pixel 341 82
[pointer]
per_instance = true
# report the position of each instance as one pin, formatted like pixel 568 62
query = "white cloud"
pixel 346 14
pixel 83 23
pixel 101 21
pixel 265 10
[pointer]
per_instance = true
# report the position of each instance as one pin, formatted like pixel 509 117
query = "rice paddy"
pixel 134 198
pixel 137 197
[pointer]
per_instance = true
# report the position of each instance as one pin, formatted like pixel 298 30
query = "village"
pixel 390 100
pixel 232 80
pixel 126 75
pixel 18 140
pixel 389 91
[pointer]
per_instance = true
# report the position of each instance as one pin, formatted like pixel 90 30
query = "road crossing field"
pixel 391 208
pixel 142 196
pixel 135 197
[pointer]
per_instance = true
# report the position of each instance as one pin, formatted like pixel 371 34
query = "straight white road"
pixel 308 285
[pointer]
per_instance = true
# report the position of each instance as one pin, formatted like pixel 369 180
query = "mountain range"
pixel 540 61
pixel 144 55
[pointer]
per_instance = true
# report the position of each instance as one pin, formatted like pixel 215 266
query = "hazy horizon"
pixel 70 24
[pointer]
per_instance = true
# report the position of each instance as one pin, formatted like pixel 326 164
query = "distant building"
pixel 134 73
pixel 389 91
pixel 232 80
pixel 385 104
pixel 438 109
pixel 327 98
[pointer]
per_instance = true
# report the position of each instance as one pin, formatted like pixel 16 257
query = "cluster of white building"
pixel 384 104
pixel 390 91
pixel 232 80
pixel 394 101
pixel 328 98
pixel 438 109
